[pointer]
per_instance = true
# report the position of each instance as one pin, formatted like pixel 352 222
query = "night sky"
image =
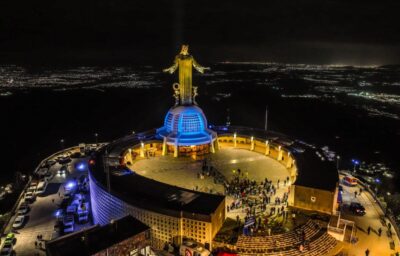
pixel 305 31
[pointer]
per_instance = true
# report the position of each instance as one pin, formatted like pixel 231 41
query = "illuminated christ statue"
pixel 184 62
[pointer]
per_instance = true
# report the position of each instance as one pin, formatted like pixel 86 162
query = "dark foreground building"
pixel 125 236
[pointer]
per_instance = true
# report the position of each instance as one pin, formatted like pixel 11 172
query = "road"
pixel 377 245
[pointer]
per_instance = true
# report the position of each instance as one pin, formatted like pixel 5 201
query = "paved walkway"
pixel 377 245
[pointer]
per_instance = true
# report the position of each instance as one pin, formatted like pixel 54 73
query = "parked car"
pixel 76 155
pixel 7 250
pixel 68 228
pixel 357 208
pixel 41 188
pixel 63 170
pixel 48 176
pixel 32 189
pixel 30 197
pixel 10 239
pixel 71 209
pixel 68 219
pixel 51 162
pixel 23 209
pixel 63 159
pixel 83 217
pixel 19 221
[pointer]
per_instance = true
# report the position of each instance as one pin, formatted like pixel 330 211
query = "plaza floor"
pixel 183 172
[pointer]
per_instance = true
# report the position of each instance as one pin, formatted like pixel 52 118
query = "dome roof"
pixel 185 119
pixel 186 125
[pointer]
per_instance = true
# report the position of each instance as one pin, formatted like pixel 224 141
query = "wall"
pixel 302 199
pixel 164 228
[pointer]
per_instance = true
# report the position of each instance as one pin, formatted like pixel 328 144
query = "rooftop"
pixel 96 238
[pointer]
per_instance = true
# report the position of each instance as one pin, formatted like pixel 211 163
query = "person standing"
pixel 367 252
pixel 369 230
pixel 380 231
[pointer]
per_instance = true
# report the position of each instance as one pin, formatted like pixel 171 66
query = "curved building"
pixel 174 213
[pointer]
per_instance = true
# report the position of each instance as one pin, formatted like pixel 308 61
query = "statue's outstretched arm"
pixel 198 67
pixel 172 68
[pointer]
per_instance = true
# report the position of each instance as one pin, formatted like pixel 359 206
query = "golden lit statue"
pixel 184 62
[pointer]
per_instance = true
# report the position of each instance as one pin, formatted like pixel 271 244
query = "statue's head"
pixel 185 49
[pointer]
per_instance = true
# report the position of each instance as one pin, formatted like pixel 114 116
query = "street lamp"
pixel 62 143
pixel 95 137
pixel 337 162
pixel 355 163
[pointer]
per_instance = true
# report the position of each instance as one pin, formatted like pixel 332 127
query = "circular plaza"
pixel 229 162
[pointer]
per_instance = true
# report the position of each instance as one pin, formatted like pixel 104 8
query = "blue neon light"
pixel 70 185
pixel 81 166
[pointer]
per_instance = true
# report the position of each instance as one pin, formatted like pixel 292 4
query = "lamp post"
pixel 355 163
pixel 95 137
pixel 62 143
pixel 337 162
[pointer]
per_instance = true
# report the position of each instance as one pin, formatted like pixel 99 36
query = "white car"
pixel 7 250
pixel 32 189
pixel 23 209
pixel 29 196
pixel 19 221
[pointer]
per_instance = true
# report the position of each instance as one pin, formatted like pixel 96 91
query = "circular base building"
pixel 177 212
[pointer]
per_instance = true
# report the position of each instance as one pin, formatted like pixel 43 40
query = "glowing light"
pixel 81 166
pixel 266 142
pixel 70 185
pixel 58 213
pixel 252 138
pixel 142 144
pixel 234 135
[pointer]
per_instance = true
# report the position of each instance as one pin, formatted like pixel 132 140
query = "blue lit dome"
pixel 186 126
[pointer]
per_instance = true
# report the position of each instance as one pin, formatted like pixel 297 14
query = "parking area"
pixel 60 185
